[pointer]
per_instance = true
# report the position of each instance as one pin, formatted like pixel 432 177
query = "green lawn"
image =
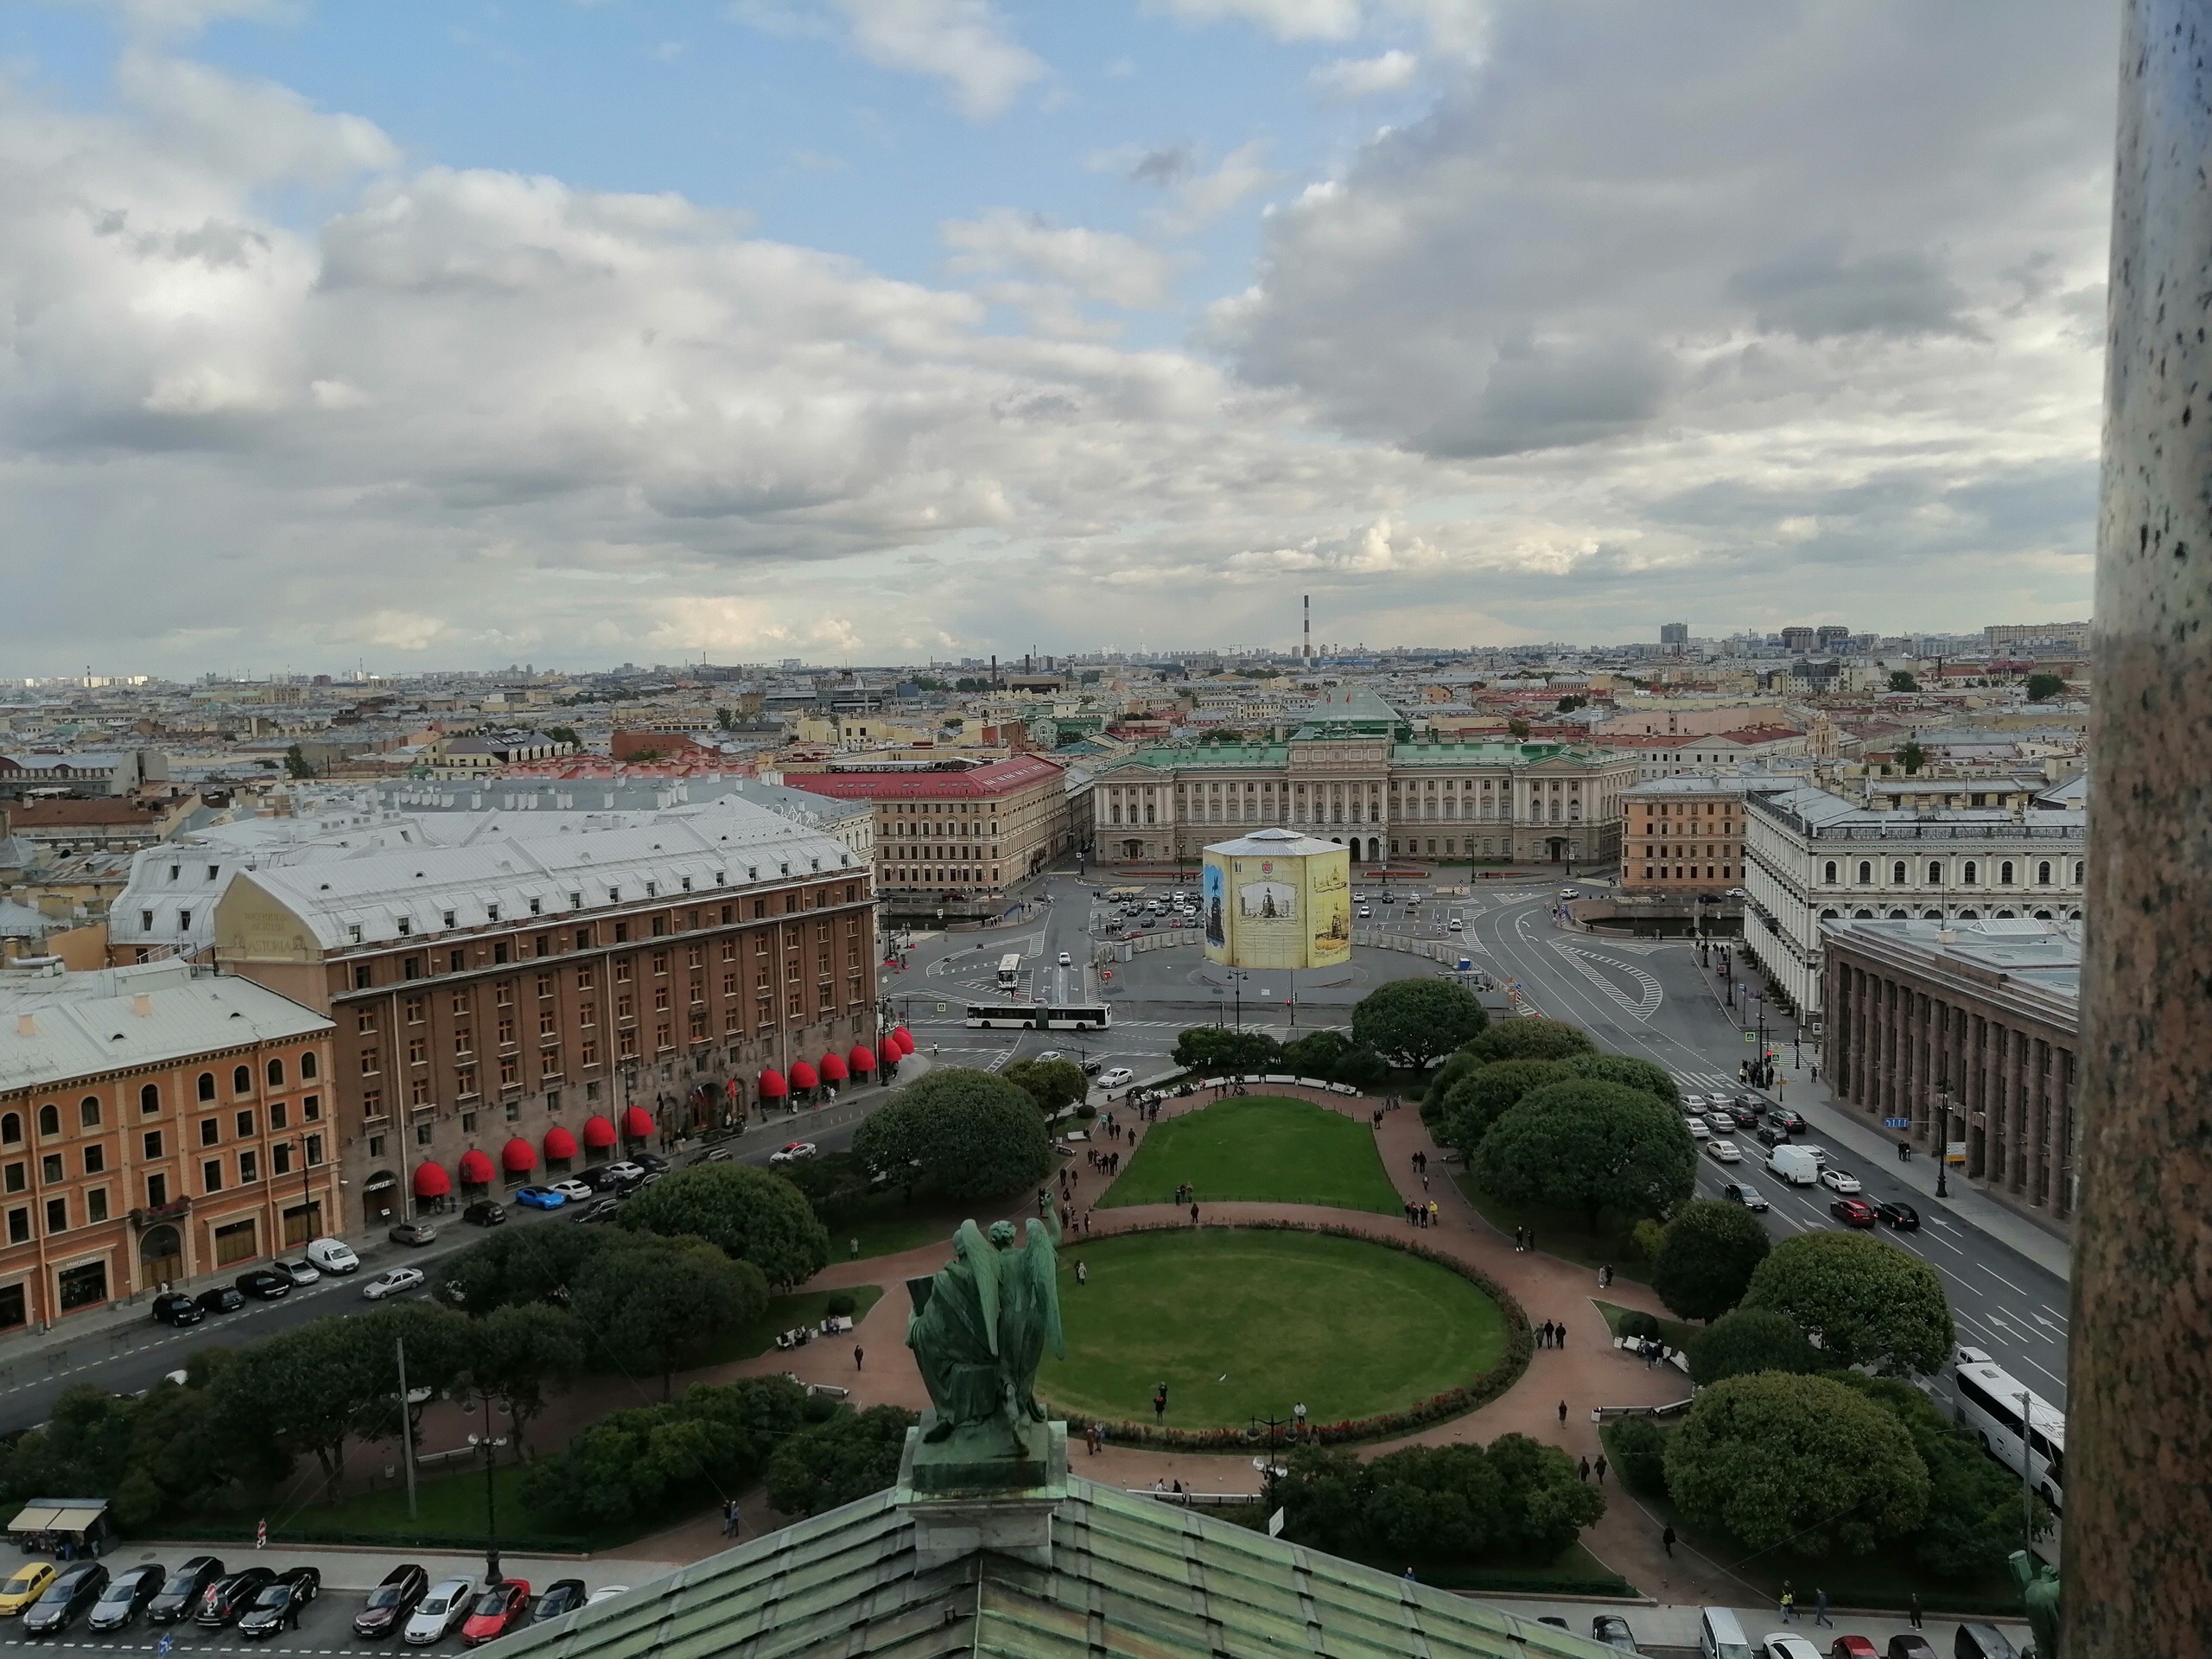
pixel 450 1514
pixel 1563 1233
pixel 886 1224
pixel 1242 1324
pixel 801 1307
pixel 1260 1147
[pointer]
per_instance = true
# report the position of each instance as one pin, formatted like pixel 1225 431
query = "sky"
pixel 440 334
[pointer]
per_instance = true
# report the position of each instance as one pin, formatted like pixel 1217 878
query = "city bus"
pixel 1038 1016
pixel 1009 968
pixel 1990 1401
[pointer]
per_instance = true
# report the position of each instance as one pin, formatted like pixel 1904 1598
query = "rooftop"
pixel 930 782
pixel 55 1026
pixel 2042 959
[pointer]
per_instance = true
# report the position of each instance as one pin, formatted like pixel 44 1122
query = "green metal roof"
pixel 1192 757
pixel 1129 1578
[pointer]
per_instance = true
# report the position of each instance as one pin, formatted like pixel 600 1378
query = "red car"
pixel 498 1611
pixel 1853 1647
pixel 1852 1212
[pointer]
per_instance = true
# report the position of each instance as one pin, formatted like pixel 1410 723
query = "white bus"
pixel 1037 1016
pixel 1991 1401
pixel 1009 968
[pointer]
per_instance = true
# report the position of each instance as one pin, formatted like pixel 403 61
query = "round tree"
pixel 752 1215
pixel 1750 1340
pixel 1861 1300
pixel 1627 1070
pixel 1532 1039
pixel 1591 1146
pixel 966 1133
pixel 1054 1084
pixel 1455 1067
pixel 1801 1460
pixel 1711 1252
pixel 1486 1093
pixel 1413 1023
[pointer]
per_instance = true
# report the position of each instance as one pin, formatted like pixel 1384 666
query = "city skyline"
pixel 881 333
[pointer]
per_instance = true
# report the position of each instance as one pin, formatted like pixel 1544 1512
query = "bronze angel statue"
pixel 981 1326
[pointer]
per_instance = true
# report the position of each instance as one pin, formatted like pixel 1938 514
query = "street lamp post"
pixel 1942 1142
pixel 490 1445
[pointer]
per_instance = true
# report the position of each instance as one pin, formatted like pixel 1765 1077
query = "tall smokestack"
pixel 994 670
pixel 1306 599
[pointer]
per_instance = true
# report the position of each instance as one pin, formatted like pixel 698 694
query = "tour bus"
pixel 1009 968
pixel 1989 1402
pixel 1038 1016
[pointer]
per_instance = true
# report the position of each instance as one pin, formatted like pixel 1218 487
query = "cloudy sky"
pixel 446 334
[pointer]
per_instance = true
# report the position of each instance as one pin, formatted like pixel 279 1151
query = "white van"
pixel 333 1256
pixel 1795 1165
pixel 1719 1637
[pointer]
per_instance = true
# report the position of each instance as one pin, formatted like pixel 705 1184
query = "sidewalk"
pixel 1675 1624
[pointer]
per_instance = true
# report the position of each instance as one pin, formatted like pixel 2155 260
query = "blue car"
pixel 539 1197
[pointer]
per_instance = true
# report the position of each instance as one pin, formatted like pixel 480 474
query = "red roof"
pixel 598 1131
pixel 559 1143
pixel 518 1156
pixel 475 1168
pixel 638 1123
pixel 773 1086
pixel 431 1181
pixel 995 778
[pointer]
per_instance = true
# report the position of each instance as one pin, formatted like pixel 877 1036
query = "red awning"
pixel 518 1156
pixel 598 1131
pixel 773 1086
pixel 904 1038
pixel 803 1075
pixel 475 1168
pixel 861 1059
pixel 559 1143
pixel 431 1181
pixel 638 1123
pixel 833 1068
pixel 889 1052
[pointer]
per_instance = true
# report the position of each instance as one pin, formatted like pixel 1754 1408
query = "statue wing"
pixel 982 1260
pixel 1042 1264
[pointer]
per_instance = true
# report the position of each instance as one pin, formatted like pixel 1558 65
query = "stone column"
pixel 2139 1511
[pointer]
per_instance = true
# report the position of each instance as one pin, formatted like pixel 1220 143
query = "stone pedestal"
pixel 990 1487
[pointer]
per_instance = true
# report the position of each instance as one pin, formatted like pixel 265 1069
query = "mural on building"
pixel 1292 901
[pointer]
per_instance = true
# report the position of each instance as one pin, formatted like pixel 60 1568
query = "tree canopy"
pixel 649 1307
pixel 1515 1498
pixel 751 1214
pixel 1862 1300
pixel 1591 1146
pixel 1806 1461
pixel 1711 1252
pixel 2041 687
pixel 1054 1084
pixel 854 1454
pixel 1484 1094
pixel 631 1465
pixel 1413 1023
pixel 1216 1050
pixel 1629 1071
pixel 1750 1340
pixel 1902 679
pixel 1531 1039
pixel 965 1133
pixel 1974 1518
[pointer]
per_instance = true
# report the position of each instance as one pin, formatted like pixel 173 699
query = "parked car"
pixel 301 1272
pixel 24 1586
pixel 1723 1152
pixel 607 1593
pixel 439 1613
pixel 223 1601
pixel 1851 1213
pixel 1612 1629
pixel 498 1611
pixel 277 1607
pixel 1838 1180
pixel 180 1595
pixel 562 1596
pixel 414 1232
pixel 576 1191
pixel 538 1198
pixel 393 1603
pixel 333 1255
pixel 169 1308
pixel 1911 1645
pixel 74 1594
pixel 126 1596
pixel 1852 1647
pixel 485 1213
pixel 1982 1642
pixel 391 1282
pixel 790 1153
pixel 651 1162
pixel 600 1210
pixel 1744 1194
pixel 1794 1165
pixel 223 1298
pixel 1782 1645
pixel 1116 1078
pixel 1899 1215
pixel 265 1284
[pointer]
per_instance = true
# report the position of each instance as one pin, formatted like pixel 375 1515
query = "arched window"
pixel 2078 869
pixel 2004 874
pixel 308 1067
pixel 1969 915
pixel 2004 915
pixel 1898 916
pixel 1862 914
pixel 206 1085
pixel 1896 873
pixel 1830 915
pixel 242 1080
pixel 1971 873
pixel 275 1074
pixel 2042 916
pixel 1931 915
pixel 1866 873
pixel 88 1111
pixel 2043 874
pixel 49 1120
pixel 11 1130
pixel 1935 873
pixel 149 1099
pixel 1830 876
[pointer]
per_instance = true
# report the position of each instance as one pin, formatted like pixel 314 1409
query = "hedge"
pixel 1520 1347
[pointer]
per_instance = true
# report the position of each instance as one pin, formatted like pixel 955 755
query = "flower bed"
pixel 1478 1391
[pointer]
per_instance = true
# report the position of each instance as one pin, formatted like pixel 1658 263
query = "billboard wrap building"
pixel 1277 899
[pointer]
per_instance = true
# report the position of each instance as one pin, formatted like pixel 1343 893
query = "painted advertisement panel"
pixel 1289 910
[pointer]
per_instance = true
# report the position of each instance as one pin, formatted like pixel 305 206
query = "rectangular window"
pixel 365 975
pixel 158 1191
pixel 95 1158
pixel 14 1179
pixel 81 1285
pixel 49 1168
pixel 464 1082
pixel 245 1124
pixel 276 1115
pixel 376 1144
pixel 314 1151
pixel 211 1131
pixel 249 1167
pixel 57 1215
pixel 280 1159
pixel 311 1109
pixel 365 1020
pixel 368 1062
pixel 151 1142
pixel 19 1226
pixel 88 1113
pixel 96 1204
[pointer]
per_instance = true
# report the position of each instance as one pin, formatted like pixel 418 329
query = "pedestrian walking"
pixel 1194 1212
pixel 1585 1472
pixel 1821 1608
pixel 857 1357
pixel 1788 1604
pixel 1601 1468
pixel 1159 1403
pixel 1562 1414
pixel 856 1249
pixel 1532 1238
pixel 1431 1204
pixel 1667 1539
pixel 1559 1335
pixel 1913 1609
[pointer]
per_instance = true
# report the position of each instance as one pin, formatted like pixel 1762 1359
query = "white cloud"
pixel 1101 265
pixel 961 42
pixel 1350 78
pixel 1288 20
pixel 1201 197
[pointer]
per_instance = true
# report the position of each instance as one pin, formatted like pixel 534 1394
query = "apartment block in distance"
pixel 158 1124
pixel 510 1008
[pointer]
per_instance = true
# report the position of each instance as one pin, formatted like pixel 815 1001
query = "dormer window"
pixel 175 870
pixel 722 878
pixel 651 888
pixel 451 919
pixel 614 895
pixel 354 933
pixel 405 924
pixel 576 901
pixel 687 884
pixel 535 909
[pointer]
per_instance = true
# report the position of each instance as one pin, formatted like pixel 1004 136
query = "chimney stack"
pixel 1306 600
